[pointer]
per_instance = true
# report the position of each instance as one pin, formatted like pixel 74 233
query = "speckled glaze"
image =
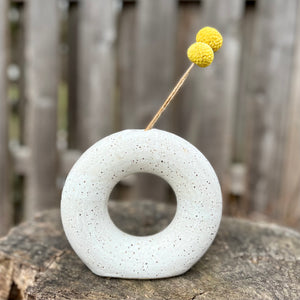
pixel 107 250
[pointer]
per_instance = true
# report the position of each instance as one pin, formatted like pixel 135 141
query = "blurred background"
pixel 72 72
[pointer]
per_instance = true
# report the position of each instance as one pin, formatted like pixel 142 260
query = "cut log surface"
pixel 246 261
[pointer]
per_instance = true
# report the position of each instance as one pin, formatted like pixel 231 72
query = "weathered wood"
pixel 264 107
pixel 5 201
pixel 21 65
pixel 211 124
pixel 269 87
pixel 242 113
pixel 126 60
pixel 188 24
pixel 155 50
pixel 96 50
pixel 242 110
pixel 246 261
pixel 21 160
pixel 289 205
pixel 17 37
pixel 41 108
pixel 73 75
pixel 17 120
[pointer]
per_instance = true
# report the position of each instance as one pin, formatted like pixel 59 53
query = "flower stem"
pixel 170 97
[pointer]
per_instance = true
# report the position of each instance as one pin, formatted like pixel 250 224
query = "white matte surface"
pixel 107 250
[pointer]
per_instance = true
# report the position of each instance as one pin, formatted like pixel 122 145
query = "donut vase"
pixel 101 245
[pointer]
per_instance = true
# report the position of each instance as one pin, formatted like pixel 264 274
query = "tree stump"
pixel 246 261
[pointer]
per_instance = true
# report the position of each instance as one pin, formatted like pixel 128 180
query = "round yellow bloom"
pixel 210 36
pixel 200 54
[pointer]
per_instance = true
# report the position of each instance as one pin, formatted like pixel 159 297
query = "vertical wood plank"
pixel 21 63
pixel 126 60
pixel 238 186
pixel 73 75
pixel 289 206
pixel 211 124
pixel 274 35
pixel 97 36
pixel 155 58
pixel 17 41
pixel 241 111
pixel 189 23
pixel 6 218
pixel 41 108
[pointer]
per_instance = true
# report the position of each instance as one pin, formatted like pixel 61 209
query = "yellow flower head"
pixel 200 54
pixel 210 36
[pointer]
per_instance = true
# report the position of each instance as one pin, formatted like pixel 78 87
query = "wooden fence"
pixel 118 61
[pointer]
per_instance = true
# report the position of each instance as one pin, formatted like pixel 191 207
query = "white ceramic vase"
pixel 107 250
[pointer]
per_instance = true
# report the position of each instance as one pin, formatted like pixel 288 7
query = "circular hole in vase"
pixel 142 204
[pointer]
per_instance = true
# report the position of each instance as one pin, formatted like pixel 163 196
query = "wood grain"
pixel 155 50
pixel 96 58
pixel 243 116
pixel 242 112
pixel 211 123
pixel 41 71
pixel 154 67
pixel 289 205
pixel 126 66
pixel 269 90
pixel 246 261
pixel 72 74
pixel 188 23
pixel 6 217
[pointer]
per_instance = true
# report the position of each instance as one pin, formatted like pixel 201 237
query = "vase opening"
pixel 142 186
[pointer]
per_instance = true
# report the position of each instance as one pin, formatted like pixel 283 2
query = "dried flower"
pixel 200 54
pixel 210 36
